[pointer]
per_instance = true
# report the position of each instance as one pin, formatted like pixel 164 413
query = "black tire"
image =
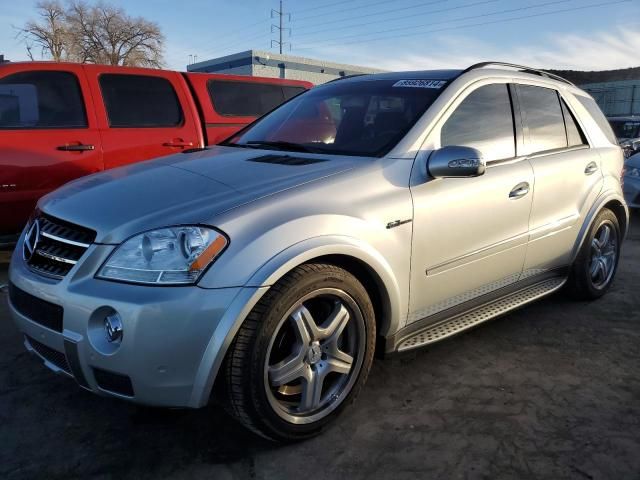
pixel 246 385
pixel 581 284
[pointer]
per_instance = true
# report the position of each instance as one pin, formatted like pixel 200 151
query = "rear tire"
pixel 594 268
pixel 302 354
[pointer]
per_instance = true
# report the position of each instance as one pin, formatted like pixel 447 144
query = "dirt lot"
pixel 550 391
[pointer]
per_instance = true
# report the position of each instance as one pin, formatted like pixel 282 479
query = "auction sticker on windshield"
pixel 420 83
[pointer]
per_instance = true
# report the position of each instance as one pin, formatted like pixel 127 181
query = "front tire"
pixel 594 269
pixel 302 354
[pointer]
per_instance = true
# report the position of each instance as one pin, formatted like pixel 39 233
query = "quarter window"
pixel 248 99
pixel 575 137
pixel 484 120
pixel 542 117
pixel 140 101
pixel 41 99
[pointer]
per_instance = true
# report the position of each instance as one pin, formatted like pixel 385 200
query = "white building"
pixel 267 64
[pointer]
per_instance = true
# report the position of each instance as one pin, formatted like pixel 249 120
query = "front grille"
pixel 52 356
pixel 57 246
pixel 113 382
pixel 40 311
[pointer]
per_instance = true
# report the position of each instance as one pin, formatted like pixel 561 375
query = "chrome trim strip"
pixel 55 258
pixel 64 240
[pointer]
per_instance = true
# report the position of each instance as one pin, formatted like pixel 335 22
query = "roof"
pixel 411 75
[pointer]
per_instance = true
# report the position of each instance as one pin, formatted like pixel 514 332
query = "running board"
pixel 457 324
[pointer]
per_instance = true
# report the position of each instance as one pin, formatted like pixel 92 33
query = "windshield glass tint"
pixel 626 129
pixel 349 118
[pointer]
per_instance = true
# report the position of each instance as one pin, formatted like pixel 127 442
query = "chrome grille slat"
pixel 55 258
pixel 59 247
pixel 64 240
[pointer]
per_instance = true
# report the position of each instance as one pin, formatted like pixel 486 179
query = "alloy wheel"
pixel 315 356
pixel 604 255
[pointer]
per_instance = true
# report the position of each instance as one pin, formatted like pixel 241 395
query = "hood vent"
pixel 286 160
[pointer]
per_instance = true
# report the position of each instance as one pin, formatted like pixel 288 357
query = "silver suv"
pixel 374 214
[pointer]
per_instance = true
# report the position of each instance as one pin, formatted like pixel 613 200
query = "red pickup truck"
pixel 60 121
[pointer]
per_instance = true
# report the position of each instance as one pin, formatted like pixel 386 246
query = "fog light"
pixel 113 328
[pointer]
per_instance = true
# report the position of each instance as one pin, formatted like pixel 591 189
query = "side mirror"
pixel 456 161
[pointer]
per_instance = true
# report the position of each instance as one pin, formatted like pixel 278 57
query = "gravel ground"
pixel 550 391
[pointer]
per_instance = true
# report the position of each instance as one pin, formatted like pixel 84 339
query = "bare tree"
pixel 99 33
pixel 106 34
pixel 50 33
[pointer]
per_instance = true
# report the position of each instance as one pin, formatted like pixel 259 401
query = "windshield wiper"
pixel 279 145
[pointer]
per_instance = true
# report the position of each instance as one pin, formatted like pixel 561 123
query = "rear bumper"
pixel 171 335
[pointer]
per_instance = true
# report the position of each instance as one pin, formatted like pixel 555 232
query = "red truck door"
pixel 142 113
pixel 47 136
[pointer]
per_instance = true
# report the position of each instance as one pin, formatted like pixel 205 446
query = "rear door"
pixel 47 136
pixel 229 103
pixel 143 114
pixel 567 176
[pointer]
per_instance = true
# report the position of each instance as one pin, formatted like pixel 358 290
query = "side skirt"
pixel 469 314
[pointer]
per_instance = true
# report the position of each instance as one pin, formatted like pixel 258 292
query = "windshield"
pixel 364 118
pixel 626 128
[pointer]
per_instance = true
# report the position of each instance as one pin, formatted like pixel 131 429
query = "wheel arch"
pixel 362 261
pixel 614 202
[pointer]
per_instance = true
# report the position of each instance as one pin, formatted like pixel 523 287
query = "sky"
pixel 386 34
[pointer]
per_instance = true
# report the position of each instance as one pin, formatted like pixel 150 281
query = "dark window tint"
pixel 575 137
pixel 624 129
pixel 140 101
pixel 542 118
pixel 245 99
pixel 484 121
pixel 595 112
pixel 344 118
pixel 44 99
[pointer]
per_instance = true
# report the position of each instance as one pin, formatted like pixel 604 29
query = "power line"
pixel 321 6
pixel 479 24
pixel 468 17
pixel 387 20
pixel 369 5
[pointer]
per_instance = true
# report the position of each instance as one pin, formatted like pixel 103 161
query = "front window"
pixel 364 118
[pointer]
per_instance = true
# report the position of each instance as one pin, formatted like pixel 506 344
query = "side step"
pixel 469 319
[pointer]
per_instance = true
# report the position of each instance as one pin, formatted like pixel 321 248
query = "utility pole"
pixel 280 27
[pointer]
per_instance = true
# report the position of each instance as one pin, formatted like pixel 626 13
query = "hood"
pixel 184 188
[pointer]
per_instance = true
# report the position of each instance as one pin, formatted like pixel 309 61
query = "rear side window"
pixel 140 101
pixel 248 99
pixel 575 137
pixel 41 99
pixel 595 112
pixel 484 120
pixel 542 117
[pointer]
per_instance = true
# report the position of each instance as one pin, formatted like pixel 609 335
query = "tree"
pixel 99 33
pixel 50 33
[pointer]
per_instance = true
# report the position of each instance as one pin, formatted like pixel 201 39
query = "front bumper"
pixel 173 337
pixel 632 191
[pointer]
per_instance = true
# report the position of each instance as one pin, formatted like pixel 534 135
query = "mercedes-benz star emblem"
pixel 31 240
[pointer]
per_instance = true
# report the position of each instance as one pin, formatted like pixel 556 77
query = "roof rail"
pixel 520 68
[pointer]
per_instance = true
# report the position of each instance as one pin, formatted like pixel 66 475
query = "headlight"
pixel 173 255
pixel 633 172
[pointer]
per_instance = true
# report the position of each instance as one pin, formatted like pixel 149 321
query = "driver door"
pixel 470 234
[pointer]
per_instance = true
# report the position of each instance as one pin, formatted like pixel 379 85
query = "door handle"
pixel 591 168
pixel 76 148
pixel 519 190
pixel 177 143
